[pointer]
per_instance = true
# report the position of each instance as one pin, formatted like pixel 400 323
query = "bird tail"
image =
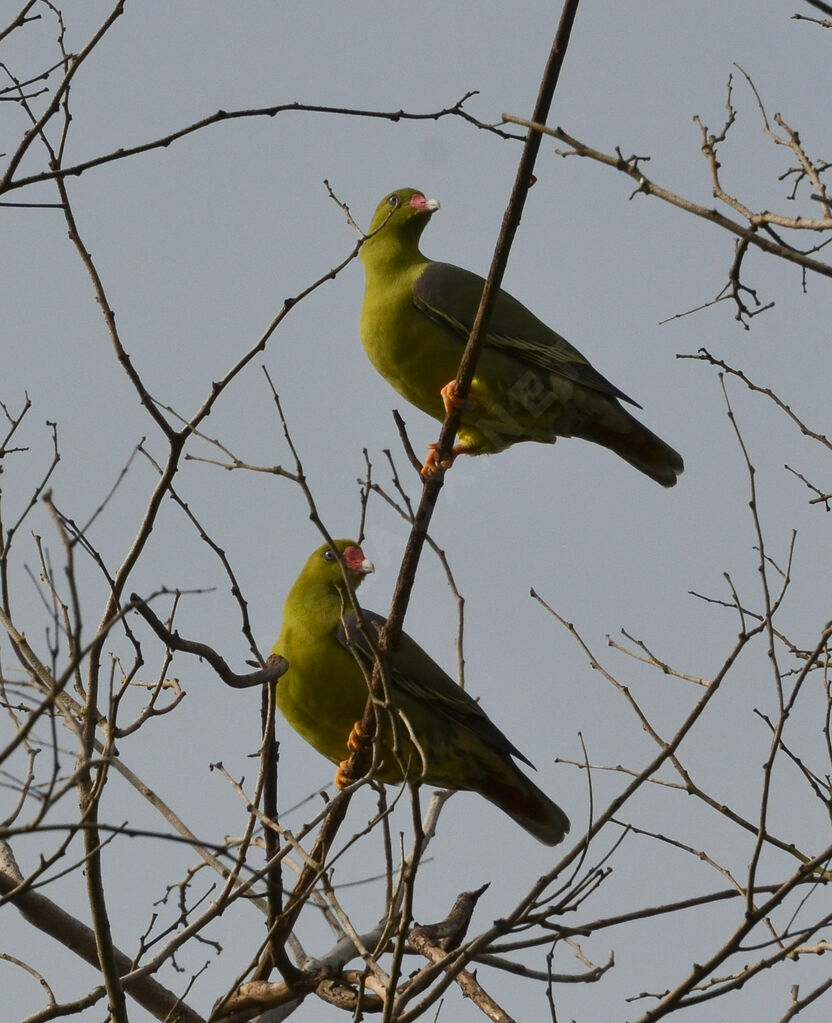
pixel 627 437
pixel 525 803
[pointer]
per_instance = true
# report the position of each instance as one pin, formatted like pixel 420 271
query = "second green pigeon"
pixel 445 737
pixel 530 383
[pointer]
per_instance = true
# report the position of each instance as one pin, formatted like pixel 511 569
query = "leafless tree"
pixel 103 667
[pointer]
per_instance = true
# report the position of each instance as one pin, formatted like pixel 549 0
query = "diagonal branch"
pixel 747 232
pixel 511 221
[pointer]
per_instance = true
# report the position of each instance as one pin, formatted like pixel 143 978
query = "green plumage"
pixel 447 739
pixel 530 383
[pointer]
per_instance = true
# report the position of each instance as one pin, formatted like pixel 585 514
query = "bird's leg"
pixel 433 466
pixel 356 740
pixel 450 400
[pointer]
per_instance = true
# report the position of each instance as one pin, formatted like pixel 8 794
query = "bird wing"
pixel 419 678
pixel 449 296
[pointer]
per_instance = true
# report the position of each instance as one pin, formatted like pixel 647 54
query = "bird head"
pixel 320 596
pixel 399 219
pixel 323 566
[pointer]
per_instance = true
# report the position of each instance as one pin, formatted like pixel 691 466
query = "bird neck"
pixel 319 606
pixel 389 251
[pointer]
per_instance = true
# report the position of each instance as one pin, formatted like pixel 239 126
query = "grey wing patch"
pixel 542 355
pixel 457 706
pixel 439 691
pixel 435 299
pixel 350 635
pixel 449 296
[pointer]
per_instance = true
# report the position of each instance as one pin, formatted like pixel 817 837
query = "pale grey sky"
pixel 199 244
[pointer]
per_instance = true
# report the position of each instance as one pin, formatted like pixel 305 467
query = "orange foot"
pixel 432 464
pixel 356 740
pixel 450 400
pixel 343 778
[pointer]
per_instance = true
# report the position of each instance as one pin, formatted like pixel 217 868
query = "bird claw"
pixel 343 777
pixel 433 466
pixel 452 402
pixel 356 740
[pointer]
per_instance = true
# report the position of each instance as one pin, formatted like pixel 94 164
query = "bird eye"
pixel 329 555
pixel 393 201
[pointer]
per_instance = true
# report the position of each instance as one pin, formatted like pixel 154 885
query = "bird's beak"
pixel 356 562
pixel 419 202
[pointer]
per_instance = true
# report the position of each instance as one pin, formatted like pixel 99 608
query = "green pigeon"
pixel 446 738
pixel 530 383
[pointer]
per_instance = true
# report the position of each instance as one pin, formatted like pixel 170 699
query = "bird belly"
pixel 412 354
pixel 322 702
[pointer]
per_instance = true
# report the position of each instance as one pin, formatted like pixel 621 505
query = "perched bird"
pixel 530 383
pixel 446 739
